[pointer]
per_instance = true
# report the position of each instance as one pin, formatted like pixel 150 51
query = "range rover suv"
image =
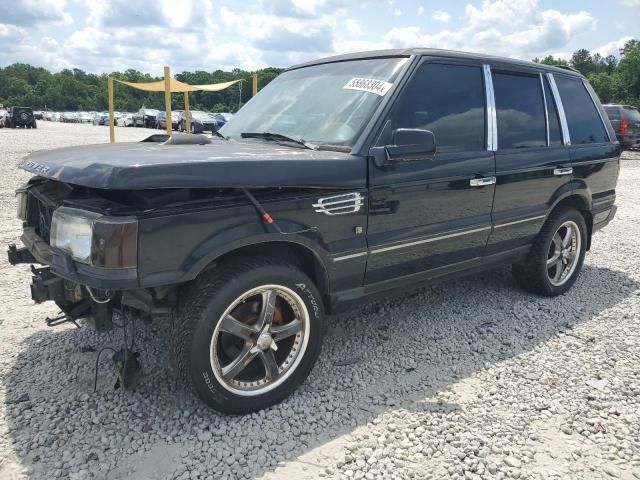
pixel 343 179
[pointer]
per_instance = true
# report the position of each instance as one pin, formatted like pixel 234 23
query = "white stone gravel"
pixel 466 379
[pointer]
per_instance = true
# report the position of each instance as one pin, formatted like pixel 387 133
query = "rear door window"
pixel 449 101
pixel 520 111
pixel 585 125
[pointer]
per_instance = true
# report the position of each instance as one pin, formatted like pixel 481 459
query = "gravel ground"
pixel 466 379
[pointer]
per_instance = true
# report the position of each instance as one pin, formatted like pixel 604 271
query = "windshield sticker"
pixel 379 87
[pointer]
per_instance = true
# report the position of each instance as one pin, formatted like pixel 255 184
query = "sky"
pixel 114 35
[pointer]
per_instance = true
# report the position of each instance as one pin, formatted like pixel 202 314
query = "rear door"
pixel 434 216
pixel 594 154
pixel 632 116
pixel 532 160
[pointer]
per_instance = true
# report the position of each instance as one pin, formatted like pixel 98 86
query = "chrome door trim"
pixel 524 220
pixel 566 139
pixel 431 239
pixel 492 122
pixel 546 110
pixel 562 171
pixel 350 256
pixel 481 182
pixel 340 204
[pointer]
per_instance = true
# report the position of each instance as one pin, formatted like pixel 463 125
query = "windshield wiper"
pixel 279 136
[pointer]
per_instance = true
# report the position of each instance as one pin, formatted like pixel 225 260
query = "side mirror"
pixel 411 144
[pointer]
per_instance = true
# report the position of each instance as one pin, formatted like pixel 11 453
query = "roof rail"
pixel 567 67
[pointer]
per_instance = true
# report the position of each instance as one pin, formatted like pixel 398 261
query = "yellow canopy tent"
pixel 170 85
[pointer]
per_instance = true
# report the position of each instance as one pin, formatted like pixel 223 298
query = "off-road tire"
pixel 200 307
pixel 532 275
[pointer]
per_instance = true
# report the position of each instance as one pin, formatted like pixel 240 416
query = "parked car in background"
pixel 84 117
pixel 625 120
pixel 146 117
pixel 200 122
pixel 161 120
pixel 20 117
pixel 220 120
pixel 125 120
pixel 38 114
pixel 175 118
pixel 55 116
pixel 69 117
pixel 3 115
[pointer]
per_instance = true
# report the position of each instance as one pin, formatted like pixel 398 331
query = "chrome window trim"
pixel 591 93
pixel 546 110
pixel 566 139
pixel 429 240
pixel 490 99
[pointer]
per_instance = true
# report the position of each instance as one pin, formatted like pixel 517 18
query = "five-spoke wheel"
pixel 259 340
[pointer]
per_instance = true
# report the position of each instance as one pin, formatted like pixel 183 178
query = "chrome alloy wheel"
pixel 564 253
pixel 259 340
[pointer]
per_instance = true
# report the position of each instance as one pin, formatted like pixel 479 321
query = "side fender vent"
pixel 339 204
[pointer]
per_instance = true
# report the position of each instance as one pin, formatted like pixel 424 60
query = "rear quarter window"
pixel 585 125
pixel 612 112
pixel 631 114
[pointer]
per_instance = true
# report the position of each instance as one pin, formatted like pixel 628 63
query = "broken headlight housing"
pixel 95 239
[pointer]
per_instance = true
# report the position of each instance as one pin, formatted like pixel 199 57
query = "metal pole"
pixel 167 99
pixel 187 115
pixel 240 94
pixel 112 129
pixel 255 84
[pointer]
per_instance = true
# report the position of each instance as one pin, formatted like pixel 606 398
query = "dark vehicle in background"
pixel 625 120
pixel 200 122
pixel 161 120
pixel 344 179
pixel 20 117
pixel 221 119
pixel 146 117
pixel 38 115
pixel 102 118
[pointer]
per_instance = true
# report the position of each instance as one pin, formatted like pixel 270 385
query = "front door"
pixel 432 217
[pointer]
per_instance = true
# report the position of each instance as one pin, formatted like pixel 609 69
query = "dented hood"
pixel 144 165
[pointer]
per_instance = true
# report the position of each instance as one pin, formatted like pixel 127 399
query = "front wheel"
pixel 248 335
pixel 557 255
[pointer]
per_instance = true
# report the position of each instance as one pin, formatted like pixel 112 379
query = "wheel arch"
pixel 579 199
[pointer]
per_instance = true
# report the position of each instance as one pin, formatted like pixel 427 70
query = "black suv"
pixel 625 120
pixel 20 117
pixel 343 179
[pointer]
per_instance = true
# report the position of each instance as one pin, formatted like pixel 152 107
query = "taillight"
pixel 624 125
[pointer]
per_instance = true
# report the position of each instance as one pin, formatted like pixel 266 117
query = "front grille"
pixel 39 216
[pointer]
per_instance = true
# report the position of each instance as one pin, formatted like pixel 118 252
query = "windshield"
pixel 323 104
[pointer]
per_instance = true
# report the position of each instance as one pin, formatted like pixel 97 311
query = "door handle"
pixel 481 182
pixel 563 171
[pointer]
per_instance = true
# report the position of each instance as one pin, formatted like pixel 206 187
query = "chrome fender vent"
pixel 339 204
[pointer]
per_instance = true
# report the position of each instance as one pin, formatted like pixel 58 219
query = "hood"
pixel 145 165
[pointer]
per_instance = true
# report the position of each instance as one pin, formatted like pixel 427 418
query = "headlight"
pixel 94 239
pixel 21 197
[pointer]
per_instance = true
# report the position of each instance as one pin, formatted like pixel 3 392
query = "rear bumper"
pixel 603 218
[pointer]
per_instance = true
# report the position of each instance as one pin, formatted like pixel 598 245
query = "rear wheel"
pixel 557 255
pixel 248 335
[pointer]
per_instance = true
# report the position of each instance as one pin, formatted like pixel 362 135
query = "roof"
pixel 436 52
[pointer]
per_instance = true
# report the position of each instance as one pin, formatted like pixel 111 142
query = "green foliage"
pixel 22 84
pixel 551 60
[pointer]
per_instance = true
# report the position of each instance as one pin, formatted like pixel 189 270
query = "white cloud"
pixel 26 13
pixel 613 47
pixel 630 3
pixel 441 16
pixel 420 10
pixel 353 27
pixel 397 12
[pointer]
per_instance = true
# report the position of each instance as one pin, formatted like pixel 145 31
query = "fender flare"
pixel 251 234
